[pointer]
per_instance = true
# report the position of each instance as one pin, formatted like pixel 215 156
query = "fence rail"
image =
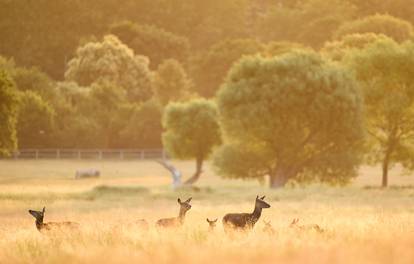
pixel 114 154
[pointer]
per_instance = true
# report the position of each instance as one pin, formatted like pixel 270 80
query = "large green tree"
pixel 112 61
pixel 295 116
pixel 8 114
pixel 191 131
pixel 385 70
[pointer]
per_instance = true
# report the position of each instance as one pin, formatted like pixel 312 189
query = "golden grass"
pixel 362 225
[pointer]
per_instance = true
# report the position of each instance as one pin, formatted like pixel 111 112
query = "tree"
pixel 171 82
pixel 338 49
pixel 151 41
pixel 386 71
pixel 143 129
pixel 111 61
pixel 191 131
pixel 8 114
pixel 210 68
pixel 395 28
pixel 295 116
pixel 35 123
pixel 32 79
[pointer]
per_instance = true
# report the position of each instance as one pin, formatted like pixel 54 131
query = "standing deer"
pixel 176 221
pixel 211 224
pixel 245 220
pixel 39 215
pixel 314 227
pixel 268 228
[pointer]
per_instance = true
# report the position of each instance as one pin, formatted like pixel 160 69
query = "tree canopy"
pixel 111 61
pixel 395 28
pixel 386 72
pixel 191 131
pixel 8 114
pixel 295 116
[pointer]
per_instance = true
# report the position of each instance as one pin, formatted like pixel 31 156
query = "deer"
pixel 211 224
pixel 41 226
pixel 294 224
pixel 268 228
pixel 245 220
pixel 176 221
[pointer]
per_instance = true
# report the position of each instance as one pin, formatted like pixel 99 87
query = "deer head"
pixel 212 223
pixel 38 214
pixel 261 203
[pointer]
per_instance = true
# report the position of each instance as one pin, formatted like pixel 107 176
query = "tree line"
pixel 291 90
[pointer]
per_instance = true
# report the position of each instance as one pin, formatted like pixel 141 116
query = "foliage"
pixel 171 82
pixel 111 61
pixel 155 43
pixel 191 131
pixel 337 49
pixel 299 116
pixel 143 129
pixel 35 123
pixel 210 68
pixel 396 28
pixel 8 114
pixel 386 72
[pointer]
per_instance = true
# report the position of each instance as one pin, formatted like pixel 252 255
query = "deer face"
pixel 261 203
pixel 38 214
pixel 185 206
pixel 212 223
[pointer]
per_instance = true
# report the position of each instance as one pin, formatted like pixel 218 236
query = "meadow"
pixel 362 223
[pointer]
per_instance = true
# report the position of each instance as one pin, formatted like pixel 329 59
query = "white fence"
pixel 114 154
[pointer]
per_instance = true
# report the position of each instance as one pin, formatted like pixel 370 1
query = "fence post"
pixel 142 154
pixel 58 154
pixel 121 154
pixel 37 154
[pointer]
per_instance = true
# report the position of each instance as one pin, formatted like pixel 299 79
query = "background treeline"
pixel 106 74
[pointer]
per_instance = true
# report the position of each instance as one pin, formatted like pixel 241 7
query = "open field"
pixel 363 225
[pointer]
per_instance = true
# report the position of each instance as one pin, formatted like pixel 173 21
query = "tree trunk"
pixel 279 178
pixel 198 172
pixel 385 164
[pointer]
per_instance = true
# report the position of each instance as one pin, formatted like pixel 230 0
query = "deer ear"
pixel 44 208
pixel 257 197
pixel 262 198
pixel 208 221
pixel 189 200
pixel 179 200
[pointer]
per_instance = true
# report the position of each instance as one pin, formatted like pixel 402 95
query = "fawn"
pixel 268 228
pixel 314 227
pixel 176 221
pixel 245 220
pixel 39 215
pixel 211 224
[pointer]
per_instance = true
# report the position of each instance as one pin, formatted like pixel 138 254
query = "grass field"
pixel 362 225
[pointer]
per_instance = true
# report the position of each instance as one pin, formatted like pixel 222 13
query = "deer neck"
pixel 39 224
pixel 181 215
pixel 257 212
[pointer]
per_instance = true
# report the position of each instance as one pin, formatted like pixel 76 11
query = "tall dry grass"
pixel 361 225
